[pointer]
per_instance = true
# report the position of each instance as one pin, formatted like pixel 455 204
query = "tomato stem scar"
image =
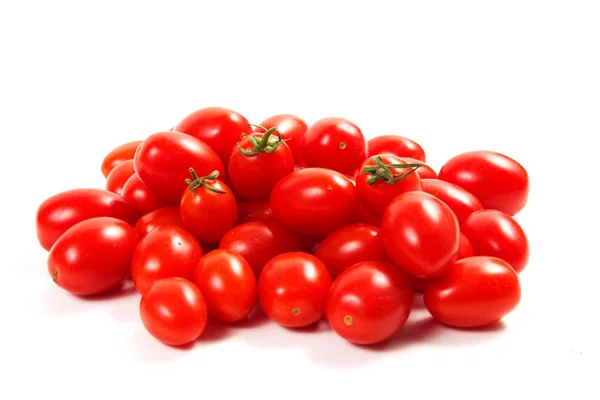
pixel 295 311
pixel 348 320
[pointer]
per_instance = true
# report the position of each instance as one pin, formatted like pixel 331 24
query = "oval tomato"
pixel 118 155
pixel 254 210
pixel 163 216
pixel 458 199
pixel 93 256
pixel 399 146
pixel 140 196
pixel 118 176
pixel 291 129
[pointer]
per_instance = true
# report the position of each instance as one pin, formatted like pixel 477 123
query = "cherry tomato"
pixel 498 181
pixel 350 245
pixel 369 302
pixel 93 256
pixel 497 234
pixel 424 172
pixel 218 127
pixel 363 216
pixel 118 155
pixel 378 182
pixel 420 234
pixel 399 146
pixel 258 164
pixel 292 130
pixel 475 291
pixel 164 159
pixel 314 201
pixel 334 143
pixel 167 251
pixel 465 249
pixel 163 216
pixel 208 207
pixel 458 199
pixel 292 289
pixel 260 241
pixel 118 176
pixel 173 311
pixel 228 285
pixel 63 210
pixel 140 196
pixel 254 210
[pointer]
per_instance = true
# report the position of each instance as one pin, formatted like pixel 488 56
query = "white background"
pixel 521 77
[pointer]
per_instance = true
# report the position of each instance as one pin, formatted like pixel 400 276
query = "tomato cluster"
pixel 217 216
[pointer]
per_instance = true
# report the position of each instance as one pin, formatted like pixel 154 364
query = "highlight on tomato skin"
pixel 397 145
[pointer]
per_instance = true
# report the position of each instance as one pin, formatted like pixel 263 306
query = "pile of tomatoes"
pixel 217 216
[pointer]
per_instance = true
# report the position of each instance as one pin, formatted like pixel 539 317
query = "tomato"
pixel 228 285
pixel 140 196
pixel 475 291
pixel 258 164
pixel 63 210
pixel 173 311
pixel 164 159
pixel 314 201
pixel 497 234
pixel 166 251
pixel 118 176
pixel 350 245
pixel 93 256
pixel 334 143
pixel 363 216
pixel 163 216
pixel 418 284
pixel 254 210
pixel 399 146
pixel 208 207
pixel 379 182
pixel 369 302
pixel 498 181
pixel 260 241
pixel 292 289
pixel 118 155
pixel 425 171
pixel 218 127
pixel 292 130
pixel 420 234
pixel 458 199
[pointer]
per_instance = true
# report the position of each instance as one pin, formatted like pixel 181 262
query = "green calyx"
pixel 382 172
pixel 197 182
pixel 263 143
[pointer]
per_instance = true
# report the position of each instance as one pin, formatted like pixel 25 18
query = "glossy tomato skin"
pixel 292 289
pixel 259 241
pixel 63 210
pixel 118 155
pixel 93 256
pixel 420 234
pixel 497 180
pixel 314 201
pixel 228 285
pixel 291 128
pixel 475 291
pixel 163 216
pixel 458 199
pixel 376 197
pixel 334 143
pixel 254 210
pixel 399 146
pixel 164 159
pixel 118 176
pixel 369 302
pixel 424 172
pixel 218 127
pixel 140 196
pixel 350 245
pixel 173 311
pixel 167 251
pixel 497 234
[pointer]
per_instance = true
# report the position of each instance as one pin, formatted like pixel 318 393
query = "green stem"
pixel 382 172
pixel 262 144
pixel 197 182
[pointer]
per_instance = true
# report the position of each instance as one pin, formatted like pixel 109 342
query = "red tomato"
pixel 399 146
pixel 118 155
pixel 208 207
pixel 424 172
pixel 167 251
pixel 260 241
pixel 292 289
pixel 164 159
pixel 458 199
pixel 314 201
pixel 292 130
pixel 497 234
pixel 498 181
pixel 465 249
pixel 379 183
pixel 258 164
pixel 163 216
pixel 334 143
pixel 369 302
pixel 228 285
pixel 118 176
pixel 420 234
pixel 475 291
pixel 218 127
pixel 63 210
pixel 93 256
pixel 350 245
pixel 254 210
pixel 173 311
pixel 140 196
